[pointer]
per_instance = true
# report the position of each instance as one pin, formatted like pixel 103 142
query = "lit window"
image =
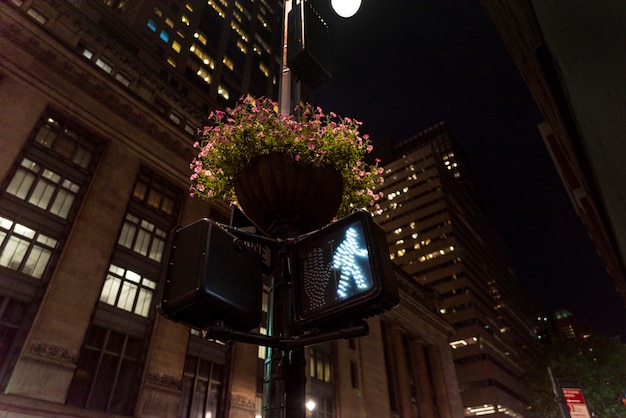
pixel 206 59
pixel 175 118
pixel 165 37
pixel 262 351
pixel 87 54
pixel 124 80
pixel 190 129
pixel 242 47
pixel 157 12
pixel 43 188
pixel 152 25
pixel 37 15
pixel 189 7
pixel 204 75
pixel 264 69
pixel 234 26
pixel 143 237
pixel 185 20
pixel 228 63
pixel 171 61
pixel 151 193
pixel 104 65
pixel 169 22
pixel 262 43
pixel 24 249
pixel 221 90
pixel 216 7
pixel 128 290
pixel 200 37
pixel 321 366
pixel 262 20
pixel 176 46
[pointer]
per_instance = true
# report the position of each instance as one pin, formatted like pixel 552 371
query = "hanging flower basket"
pixel 231 164
pixel 276 192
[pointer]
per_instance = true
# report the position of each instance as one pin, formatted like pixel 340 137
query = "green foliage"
pixel 254 128
pixel 598 363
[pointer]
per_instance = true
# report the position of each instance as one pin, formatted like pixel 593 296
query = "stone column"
pixel 421 371
pixel 242 390
pixel 159 394
pixel 445 404
pixel 401 371
pixel 48 359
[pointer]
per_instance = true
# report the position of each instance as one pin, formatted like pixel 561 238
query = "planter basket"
pixel 282 196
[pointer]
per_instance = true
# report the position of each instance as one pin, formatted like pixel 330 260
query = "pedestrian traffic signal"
pixel 343 271
pixel 210 275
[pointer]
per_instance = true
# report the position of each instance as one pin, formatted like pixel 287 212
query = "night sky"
pixel 401 66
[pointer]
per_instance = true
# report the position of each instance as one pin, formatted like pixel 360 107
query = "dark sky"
pixel 400 66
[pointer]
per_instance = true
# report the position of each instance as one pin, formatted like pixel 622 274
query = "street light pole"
pixel 285 98
pixel 284 372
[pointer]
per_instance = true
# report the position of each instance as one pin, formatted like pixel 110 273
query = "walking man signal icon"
pixel 347 259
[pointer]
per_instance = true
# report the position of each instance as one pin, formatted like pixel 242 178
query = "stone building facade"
pixel 96 133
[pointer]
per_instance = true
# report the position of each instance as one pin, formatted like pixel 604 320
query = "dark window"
pixel 108 372
pixel 12 313
pixel 201 387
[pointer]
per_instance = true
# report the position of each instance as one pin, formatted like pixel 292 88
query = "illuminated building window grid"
pixel 411 201
pixel 409 173
pixel 417 237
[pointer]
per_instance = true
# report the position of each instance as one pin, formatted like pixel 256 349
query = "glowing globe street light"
pixel 345 8
pixel 310 405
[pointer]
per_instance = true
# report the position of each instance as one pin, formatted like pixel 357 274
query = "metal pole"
pixel 558 396
pixel 284 374
pixel 284 88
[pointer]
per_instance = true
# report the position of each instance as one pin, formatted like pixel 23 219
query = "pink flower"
pixel 297 157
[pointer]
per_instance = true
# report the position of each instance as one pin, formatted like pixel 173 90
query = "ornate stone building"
pixel 100 102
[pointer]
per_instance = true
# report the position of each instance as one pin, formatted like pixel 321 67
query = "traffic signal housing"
pixel 211 276
pixel 343 272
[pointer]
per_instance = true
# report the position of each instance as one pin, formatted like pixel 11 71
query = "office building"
pixel 440 237
pixel 100 104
